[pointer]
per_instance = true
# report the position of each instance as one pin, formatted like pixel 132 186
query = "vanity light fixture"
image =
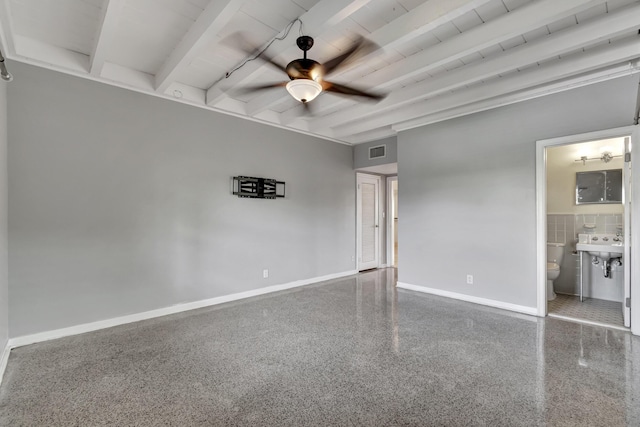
pixel 606 157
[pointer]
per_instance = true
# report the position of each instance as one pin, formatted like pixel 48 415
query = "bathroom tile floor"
pixel 594 310
pixel 355 351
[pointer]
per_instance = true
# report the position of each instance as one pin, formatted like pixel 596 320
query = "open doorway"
pixel 387 211
pixel 585 205
pixel 584 195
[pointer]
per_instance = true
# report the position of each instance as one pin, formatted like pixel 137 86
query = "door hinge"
pixel 628 302
pixel 627 157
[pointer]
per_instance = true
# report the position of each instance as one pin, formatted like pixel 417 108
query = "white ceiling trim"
pixel 50 56
pixel 186 93
pixel 126 78
pixel 373 135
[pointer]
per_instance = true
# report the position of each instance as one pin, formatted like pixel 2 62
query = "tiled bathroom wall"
pixel 564 228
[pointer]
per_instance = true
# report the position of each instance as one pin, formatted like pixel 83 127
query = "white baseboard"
pixel 469 298
pixel 3 360
pixel 108 323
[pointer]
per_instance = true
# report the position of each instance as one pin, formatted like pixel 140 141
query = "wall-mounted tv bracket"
pixel 257 188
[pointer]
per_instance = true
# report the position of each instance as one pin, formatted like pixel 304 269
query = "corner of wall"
pixel 4 280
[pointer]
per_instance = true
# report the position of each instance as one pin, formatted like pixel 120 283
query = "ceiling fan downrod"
pixel 304 43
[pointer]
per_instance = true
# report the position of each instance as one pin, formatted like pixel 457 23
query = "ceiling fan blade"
pixel 359 48
pixel 257 88
pixel 346 90
pixel 238 41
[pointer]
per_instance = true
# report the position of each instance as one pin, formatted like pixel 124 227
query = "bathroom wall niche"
pixel 599 187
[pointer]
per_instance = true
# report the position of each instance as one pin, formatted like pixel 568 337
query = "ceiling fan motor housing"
pixel 305 43
pixel 303 68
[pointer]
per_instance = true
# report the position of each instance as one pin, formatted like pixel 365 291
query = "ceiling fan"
pixel 307 77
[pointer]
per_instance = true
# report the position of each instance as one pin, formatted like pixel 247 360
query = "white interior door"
pixel 392 221
pixel 368 227
pixel 626 174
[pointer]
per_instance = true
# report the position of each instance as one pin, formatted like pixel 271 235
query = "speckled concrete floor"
pixel 347 352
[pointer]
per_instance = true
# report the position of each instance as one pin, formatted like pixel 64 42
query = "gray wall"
pixel 4 283
pixel 120 203
pixel 361 153
pixel 467 190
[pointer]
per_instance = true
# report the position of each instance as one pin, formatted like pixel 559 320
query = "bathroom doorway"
pixel 587 207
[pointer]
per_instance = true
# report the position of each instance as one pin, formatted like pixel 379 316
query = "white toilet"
pixel 555 253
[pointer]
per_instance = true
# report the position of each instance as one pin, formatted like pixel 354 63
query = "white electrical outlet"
pixel 265 273
pixel 469 279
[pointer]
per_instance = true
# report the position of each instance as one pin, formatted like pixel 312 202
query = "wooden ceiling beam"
pixel 526 18
pixel 103 40
pixel 593 59
pixel 203 31
pixel 590 78
pixel 609 26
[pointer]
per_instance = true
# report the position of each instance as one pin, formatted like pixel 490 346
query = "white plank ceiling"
pixel 437 59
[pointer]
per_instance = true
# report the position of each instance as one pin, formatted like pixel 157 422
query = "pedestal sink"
pixel 603 246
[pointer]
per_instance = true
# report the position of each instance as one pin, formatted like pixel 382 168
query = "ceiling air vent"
pixel 377 152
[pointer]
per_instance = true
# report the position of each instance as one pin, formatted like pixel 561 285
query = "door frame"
pixel 377 178
pixel 627 176
pixel 390 224
pixel 541 214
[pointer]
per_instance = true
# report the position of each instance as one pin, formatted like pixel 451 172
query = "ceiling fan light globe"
pixel 304 90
